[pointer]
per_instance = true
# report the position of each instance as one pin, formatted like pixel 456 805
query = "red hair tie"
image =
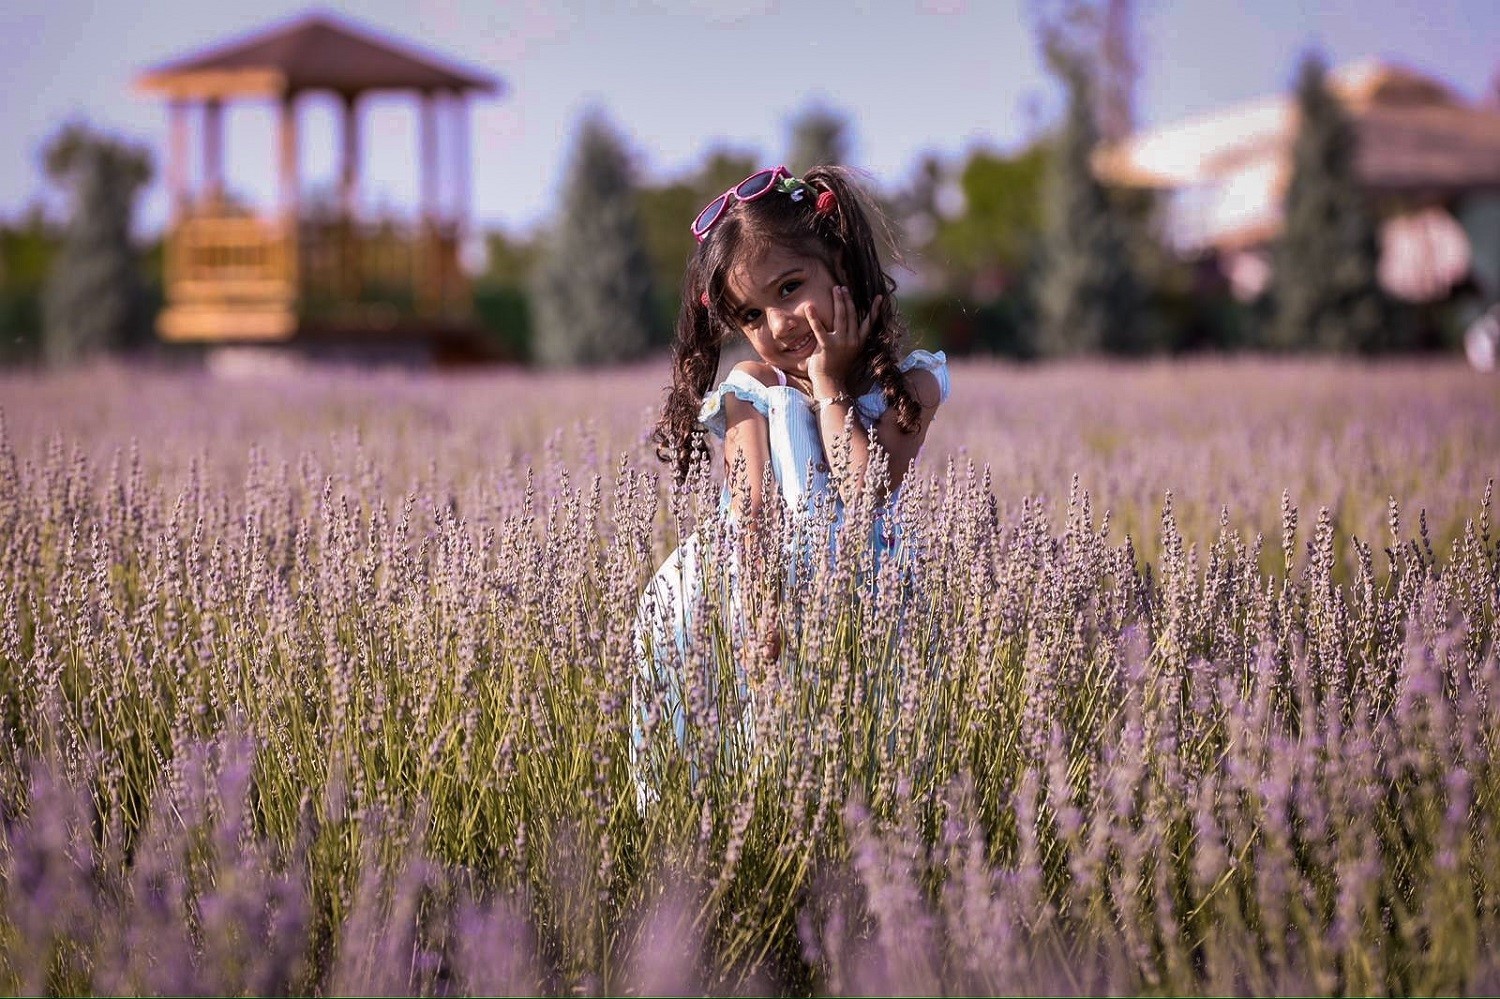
pixel 827 201
pixel 703 297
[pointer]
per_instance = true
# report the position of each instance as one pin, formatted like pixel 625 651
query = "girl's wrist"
pixel 823 388
pixel 822 402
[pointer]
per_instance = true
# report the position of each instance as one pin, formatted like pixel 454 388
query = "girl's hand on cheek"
pixel 838 345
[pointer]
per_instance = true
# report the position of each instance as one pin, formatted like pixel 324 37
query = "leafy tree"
pixel 592 296
pixel 1118 69
pixel 1325 292
pixel 916 207
pixel 995 238
pixel 509 259
pixel 1088 295
pixel 28 246
pixel 1096 36
pixel 93 298
pixel 501 293
pixel 667 211
pixel 820 137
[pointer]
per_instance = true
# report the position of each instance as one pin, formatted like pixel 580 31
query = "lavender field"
pixel 323 682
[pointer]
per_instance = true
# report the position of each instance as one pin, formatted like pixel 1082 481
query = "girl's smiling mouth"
pixel 799 345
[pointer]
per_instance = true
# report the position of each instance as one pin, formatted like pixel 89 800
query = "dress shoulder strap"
pixel 780 377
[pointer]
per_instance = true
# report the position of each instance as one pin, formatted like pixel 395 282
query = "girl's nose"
pixel 780 320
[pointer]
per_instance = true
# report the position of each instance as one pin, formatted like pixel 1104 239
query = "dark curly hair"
pixel 844 239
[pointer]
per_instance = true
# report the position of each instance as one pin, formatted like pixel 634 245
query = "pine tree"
pixel 1088 296
pixel 93 298
pixel 1119 69
pixel 593 287
pixel 819 138
pixel 1325 291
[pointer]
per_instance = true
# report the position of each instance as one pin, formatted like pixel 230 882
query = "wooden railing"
pixel 229 277
pixel 243 276
pixel 231 258
pixel 384 271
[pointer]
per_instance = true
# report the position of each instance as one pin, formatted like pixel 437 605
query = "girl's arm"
pixel 828 369
pixel 747 450
pixel 900 447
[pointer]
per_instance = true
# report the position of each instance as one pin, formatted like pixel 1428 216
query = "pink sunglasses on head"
pixel 752 187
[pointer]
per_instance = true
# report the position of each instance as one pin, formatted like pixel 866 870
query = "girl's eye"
pixel 749 317
pixel 789 288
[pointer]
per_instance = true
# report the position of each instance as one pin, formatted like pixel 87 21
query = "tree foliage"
pixel 667 211
pixel 1325 290
pixel 1097 36
pixel 1088 295
pixel 593 296
pixel 1119 69
pixel 820 137
pixel 28 245
pixel 994 239
pixel 94 299
pixel 509 258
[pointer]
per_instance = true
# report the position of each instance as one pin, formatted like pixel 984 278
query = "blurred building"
pixel 316 276
pixel 1429 161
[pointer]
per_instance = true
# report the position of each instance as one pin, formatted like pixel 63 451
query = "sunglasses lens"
pixel 709 215
pixel 755 185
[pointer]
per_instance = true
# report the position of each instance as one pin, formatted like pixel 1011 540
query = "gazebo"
pixel 309 272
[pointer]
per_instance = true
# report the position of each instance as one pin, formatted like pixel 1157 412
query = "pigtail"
pixel 678 435
pixel 849 222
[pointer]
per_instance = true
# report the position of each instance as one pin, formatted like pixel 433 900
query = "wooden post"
pixel 462 193
pixel 348 250
pixel 429 274
pixel 427 136
pixel 462 177
pixel 349 172
pixel 177 194
pixel 213 151
pixel 290 196
pixel 177 159
pixel 288 157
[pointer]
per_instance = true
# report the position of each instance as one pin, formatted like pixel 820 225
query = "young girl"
pixel 792 265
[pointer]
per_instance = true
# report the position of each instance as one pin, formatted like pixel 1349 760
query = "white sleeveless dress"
pixel 664 619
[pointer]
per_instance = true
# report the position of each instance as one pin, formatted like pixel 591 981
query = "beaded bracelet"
pixel 822 404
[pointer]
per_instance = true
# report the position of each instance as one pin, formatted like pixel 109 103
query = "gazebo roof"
pixel 313 52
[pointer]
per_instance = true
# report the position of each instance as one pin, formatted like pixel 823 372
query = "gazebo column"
pixel 289 195
pixel 349 263
pixel 349 168
pixel 461 176
pixel 287 158
pixel 461 189
pixel 429 270
pixel 177 160
pixel 427 139
pixel 213 151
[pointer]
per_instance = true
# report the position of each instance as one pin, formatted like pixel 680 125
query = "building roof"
pixel 313 52
pixel 1415 135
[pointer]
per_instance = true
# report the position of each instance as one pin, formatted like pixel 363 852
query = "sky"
pixel 681 77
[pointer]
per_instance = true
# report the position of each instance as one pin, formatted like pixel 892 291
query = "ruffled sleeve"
pixel 926 360
pixel 740 385
pixel 872 404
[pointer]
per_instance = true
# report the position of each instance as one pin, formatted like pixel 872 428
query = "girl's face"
pixel 770 295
